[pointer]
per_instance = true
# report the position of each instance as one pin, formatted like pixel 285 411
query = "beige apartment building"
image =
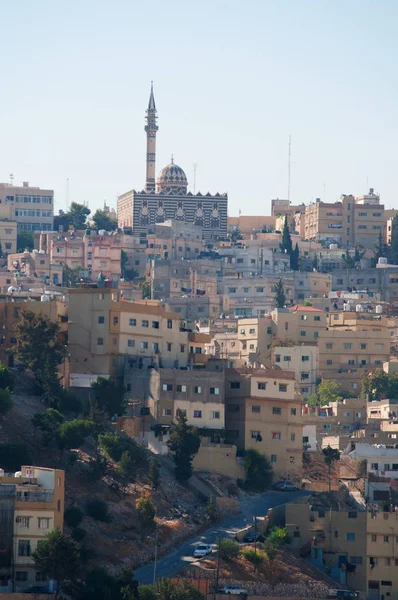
pixel 263 411
pixel 32 504
pixel 175 240
pixel 8 229
pixel 35 264
pixel 106 333
pixel 349 222
pixel 365 539
pixel 354 343
pixel 32 208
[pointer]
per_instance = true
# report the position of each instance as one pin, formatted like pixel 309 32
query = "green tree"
pixel 77 215
pixel 109 396
pixel 294 258
pixel 127 468
pixel 227 548
pixel 381 250
pixel 286 244
pixel 393 253
pixel 98 510
pixel 211 509
pixel 280 298
pixel 154 473
pixel 278 536
pixel 25 241
pixel 146 290
pixel 6 378
pixel 358 256
pixel 330 456
pixel 49 423
pixel 6 402
pixel 259 472
pixel 128 273
pixel 349 261
pixel 327 391
pixel 146 512
pixel 58 557
pixel 377 385
pixel 73 516
pixel 103 221
pixel 72 434
pixel 71 275
pixel 13 455
pixel 40 349
pixel 167 589
pixel 184 443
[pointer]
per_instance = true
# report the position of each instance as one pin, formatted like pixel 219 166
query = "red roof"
pixel 305 308
pixel 269 373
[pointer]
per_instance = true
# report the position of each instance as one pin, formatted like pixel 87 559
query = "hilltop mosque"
pixel 167 197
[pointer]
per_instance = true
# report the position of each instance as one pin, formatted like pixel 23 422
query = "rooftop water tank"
pixel 18 474
pixel 1 472
pixel 382 261
pixel 347 307
pixel 45 298
pixel 11 289
pixel 379 309
pixel 332 246
pixel 359 308
pixel 101 232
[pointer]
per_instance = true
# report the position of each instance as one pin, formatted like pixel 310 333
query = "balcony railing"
pixel 33 496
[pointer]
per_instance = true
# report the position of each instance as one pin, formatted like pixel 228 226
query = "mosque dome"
pixel 172 179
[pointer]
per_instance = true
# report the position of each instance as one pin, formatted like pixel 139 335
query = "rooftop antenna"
pixel 289 168
pixel 194 177
pixel 11 178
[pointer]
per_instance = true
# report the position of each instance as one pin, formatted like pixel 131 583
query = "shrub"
pixel 98 510
pixel 72 434
pixel 256 557
pixel 227 548
pixel 73 516
pixel 78 534
pixel 6 378
pixel 278 536
pixel 113 444
pixel 258 471
pixel 6 401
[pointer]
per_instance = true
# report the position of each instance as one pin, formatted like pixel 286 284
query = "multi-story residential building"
pixel 303 360
pixel 251 261
pixel 353 343
pixel 105 331
pixel 31 505
pixel 263 411
pixel 255 296
pixel 177 278
pixel 195 308
pixel 246 225
pixel 350 222
pixel 32 207
pixel 380 280
pixel 175 240
pixel 8 229
pixel 338 417
pixel 35 264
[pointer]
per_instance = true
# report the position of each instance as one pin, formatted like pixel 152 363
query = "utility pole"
pixel 218 563
pixel 255 543
pixel 156 554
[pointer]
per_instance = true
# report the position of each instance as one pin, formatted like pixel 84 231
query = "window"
pixel 387 562
pixel 23 522
pixel 182 411
pixel 259 290
pixel 347 346
pixel 24 548
pixel 379 346
pixel 316 334
pixel 182 347
pixel 169 323
pixel 304 317
pixel 100 341
pixel 276 410
pixel 144 323
pixel 305 358
pixel 169 346
pixel 115 320
pixel 373 537
pixel 276 435
pixel 352 514
pixel 255 434
pixel 144 345
pixel 132 322
pixel 214 414
pixel 261 385
pixel 215 391
pixel 329 346
pixel 374 466
pixel 181 388
pixel 329 361
pixel 167 387
pixel 292 437
pixel 282 387
pixel 234 385
pixel 155 346
pixel 303 333
pixel 155 324
pixel 167 412
pixel 198 389
pixel 287 358
pixel 43 523
pixel 317 318
pixel 273 458
pixel 252 331
pixel 363 346
pixel 232 290
pixel 21 575
pixel 385 539
pixel 350 537
pixel 256 408
pixel 351 361
pixel 197 414
pixel 269 330
pixel 293 411
pixel 101 320
pixel 356 560
pixel 277 358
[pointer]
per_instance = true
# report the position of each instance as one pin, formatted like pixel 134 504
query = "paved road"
pixel 179 558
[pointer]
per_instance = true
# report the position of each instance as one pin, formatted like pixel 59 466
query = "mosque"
pixel 167 197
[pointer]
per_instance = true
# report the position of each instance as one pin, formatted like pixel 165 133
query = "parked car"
pixel 285 486
pixel 251 537
pixel 342 594
pixel 202 550
pixel 235 590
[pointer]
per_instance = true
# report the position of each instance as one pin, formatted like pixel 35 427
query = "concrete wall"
pixel 220 459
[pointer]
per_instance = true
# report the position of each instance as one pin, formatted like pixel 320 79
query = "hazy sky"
pixel 232 80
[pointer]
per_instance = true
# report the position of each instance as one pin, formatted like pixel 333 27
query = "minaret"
pixel 151 129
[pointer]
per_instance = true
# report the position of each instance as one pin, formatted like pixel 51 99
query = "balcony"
pixel 35 496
